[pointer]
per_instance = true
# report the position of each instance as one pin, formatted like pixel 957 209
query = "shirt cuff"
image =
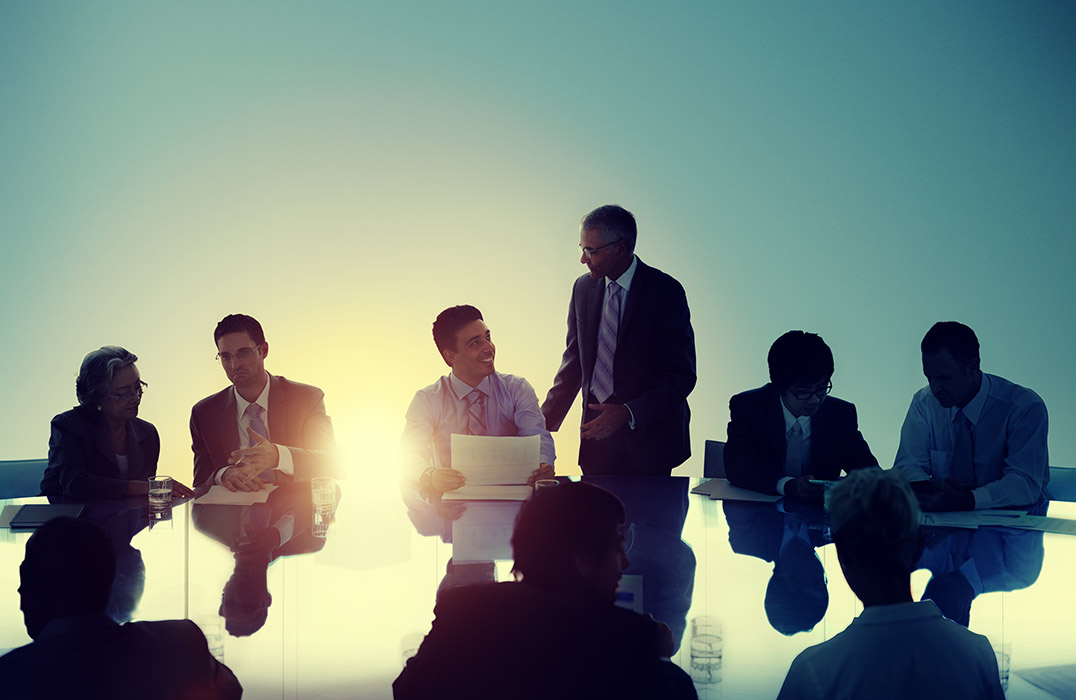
pixel 781 484
pixel 983 499
pixel 284 461
pixel 631 417
pixel 220 473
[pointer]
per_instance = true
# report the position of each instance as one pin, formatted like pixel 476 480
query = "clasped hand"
pixel 249 462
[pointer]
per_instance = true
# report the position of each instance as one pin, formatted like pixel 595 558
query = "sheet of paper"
pixel 487 461
pixel 722 490
pixel 220 496
pixel 484 531
pixel 974 519
pixel 495 492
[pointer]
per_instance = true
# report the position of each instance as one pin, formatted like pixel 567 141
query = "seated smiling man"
pixel 473 399
pixel 556 631
pixel 789 432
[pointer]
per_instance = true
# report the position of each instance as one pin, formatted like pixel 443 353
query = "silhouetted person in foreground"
pixel 555 632
pixel 972 440
pixel 783 435
pixel 78 652
pixel 895 648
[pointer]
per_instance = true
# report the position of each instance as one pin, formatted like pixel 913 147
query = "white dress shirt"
pixel 284 459
pixel 441 409
pixel 907 650
pixel 805 427
pixel 1008 432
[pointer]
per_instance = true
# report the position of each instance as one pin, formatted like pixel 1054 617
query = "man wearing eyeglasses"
pixel 630 350
pixel 263 428
pixel 790 432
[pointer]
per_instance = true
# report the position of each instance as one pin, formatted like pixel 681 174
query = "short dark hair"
pixel 797 357
pixel 559 523
pixel 239 323
pixel 955 338
pixel 95 374
pixel 74 559
pixel 613 223
pixel 874 518
pixel 796 596
pixel 448 324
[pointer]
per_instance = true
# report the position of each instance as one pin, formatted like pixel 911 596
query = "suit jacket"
pixel 92 657
pixel 490 639
pixel 82 461
pixel 755 451
pixel 297 420
pixel 653 369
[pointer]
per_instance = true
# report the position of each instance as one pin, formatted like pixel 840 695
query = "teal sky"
pixel 343 171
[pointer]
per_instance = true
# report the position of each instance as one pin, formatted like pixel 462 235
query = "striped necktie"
pixel 476 413
pixel 601 386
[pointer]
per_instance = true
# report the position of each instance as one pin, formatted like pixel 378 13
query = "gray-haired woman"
pixel 100 448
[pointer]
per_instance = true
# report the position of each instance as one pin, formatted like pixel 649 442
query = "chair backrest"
pixel 20 478
pixel 713 461
pixel 1062 484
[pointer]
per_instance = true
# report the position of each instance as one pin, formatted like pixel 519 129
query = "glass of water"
pixel 160 491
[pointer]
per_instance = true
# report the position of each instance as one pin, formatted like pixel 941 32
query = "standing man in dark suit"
pixel 631 351
pixel 263 428
pixel 790 431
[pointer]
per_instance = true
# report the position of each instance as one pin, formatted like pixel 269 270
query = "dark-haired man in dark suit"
pixel 263 428
pixel 78 652
pixel 789 432
pixel 630 350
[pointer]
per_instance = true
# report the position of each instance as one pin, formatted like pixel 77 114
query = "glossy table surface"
pixel 336 617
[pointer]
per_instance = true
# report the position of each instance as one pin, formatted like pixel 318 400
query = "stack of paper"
pixel 496 468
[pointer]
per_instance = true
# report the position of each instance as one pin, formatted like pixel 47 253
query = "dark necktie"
pixel 794 451
pixel 963 450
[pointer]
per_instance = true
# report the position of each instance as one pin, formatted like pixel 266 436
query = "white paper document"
pixel 220 496
pixel 721 490
pixel 488 462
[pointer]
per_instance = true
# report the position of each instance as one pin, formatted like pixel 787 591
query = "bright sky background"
pixel 343 171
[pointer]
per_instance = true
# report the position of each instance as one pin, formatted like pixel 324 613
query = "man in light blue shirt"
pixel 971 440
pixel 473 399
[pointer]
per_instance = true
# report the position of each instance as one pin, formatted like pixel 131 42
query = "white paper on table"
pixel 484 531
pixel 494 492
pixel 486 461
pixel 220 496
pixel 975 518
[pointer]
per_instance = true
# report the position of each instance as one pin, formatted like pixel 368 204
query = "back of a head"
pixel 953 337
pixel 797 358
pixel 874 517
pixel 72 563
pixel 556 525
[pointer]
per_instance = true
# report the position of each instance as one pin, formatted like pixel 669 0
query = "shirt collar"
pixel 462 388
pixel 625 279
pixel 974 409
pixel 790 420
pixel 262 400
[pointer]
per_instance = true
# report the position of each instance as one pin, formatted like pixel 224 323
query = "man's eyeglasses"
pixel 804 395
pixel 240 354
pixel 587 251
pixel 128 395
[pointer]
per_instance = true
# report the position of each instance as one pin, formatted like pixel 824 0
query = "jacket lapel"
pixel 228 434
pixel 103 443
pixel 591 326
pixel 635 293
pixel 776 422
pixel 278 412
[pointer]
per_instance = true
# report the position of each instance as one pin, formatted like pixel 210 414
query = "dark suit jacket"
pixel 297 420
pixel 494 640
pixel 97 658
pixel 653 369
pixel 755 451
pixel 82 462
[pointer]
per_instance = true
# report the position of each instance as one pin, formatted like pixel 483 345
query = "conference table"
pixel 744 586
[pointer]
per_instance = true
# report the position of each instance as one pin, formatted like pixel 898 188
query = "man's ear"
pixel 449 356
pixel 974 364
pixel 583 566
pixel 265 349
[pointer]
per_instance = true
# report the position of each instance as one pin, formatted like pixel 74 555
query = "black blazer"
pixel 653 369
pixel 82 462
pixel 495 638
pixel 297 420
pixel 755 451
